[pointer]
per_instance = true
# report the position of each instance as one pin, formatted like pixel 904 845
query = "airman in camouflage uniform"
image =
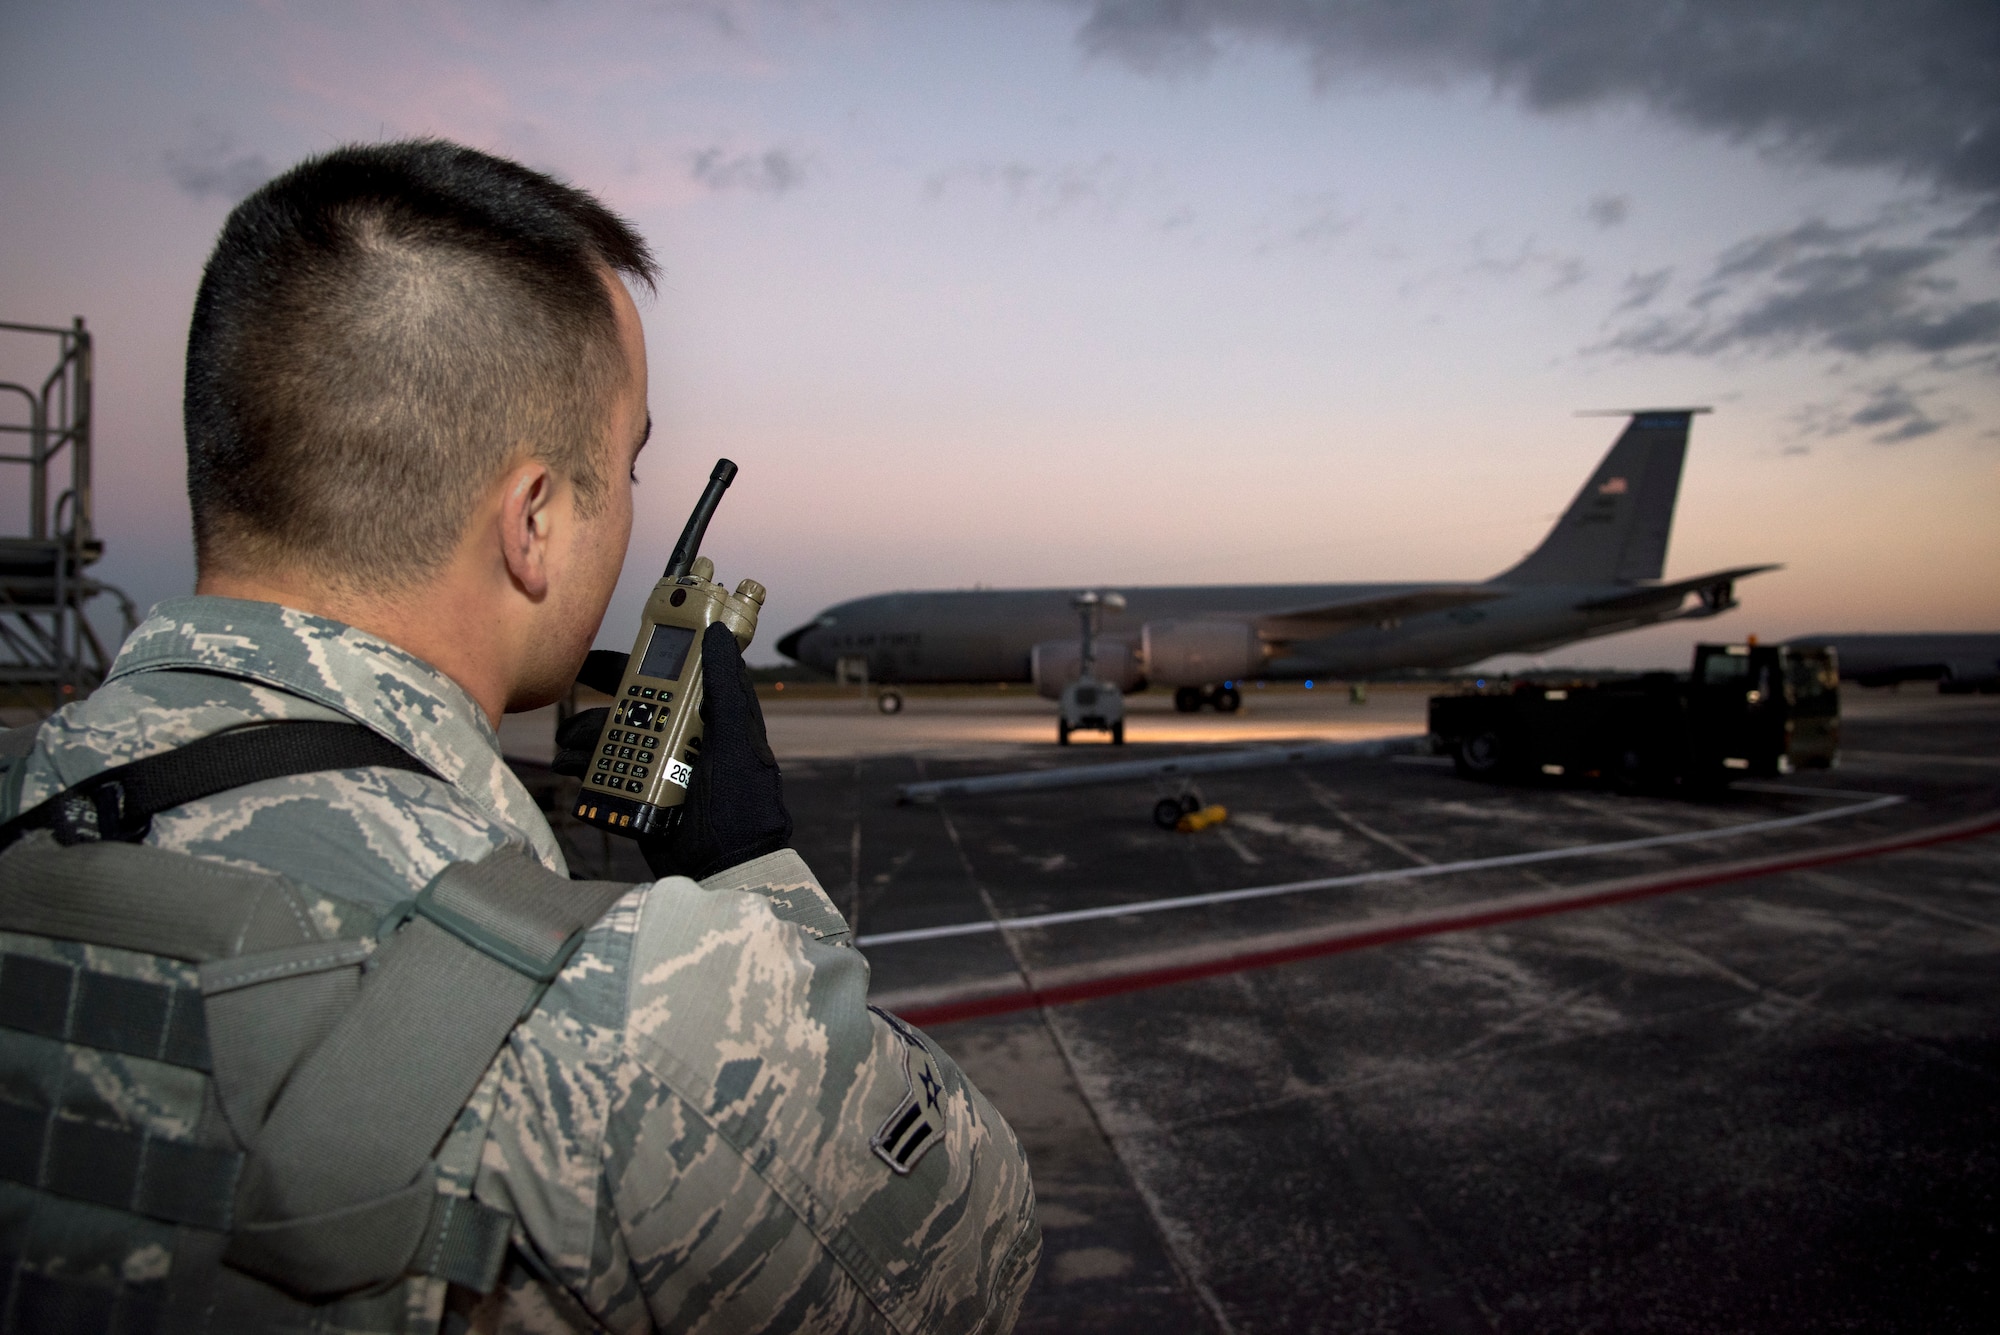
pixel 702 1126
pixel 684 1126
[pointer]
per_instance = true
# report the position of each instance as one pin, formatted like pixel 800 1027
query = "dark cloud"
pixel 1761 254
pixel 1909 87
pixel 1641 288
pixel 1893 408
pixel 1845 289
pixel 771 172
pixel 1890 412
pixel 1608 210
pixel 210 167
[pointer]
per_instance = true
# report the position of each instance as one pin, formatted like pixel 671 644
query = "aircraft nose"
pixel 790 645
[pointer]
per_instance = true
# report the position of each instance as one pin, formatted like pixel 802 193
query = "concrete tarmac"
pixel 1761 1105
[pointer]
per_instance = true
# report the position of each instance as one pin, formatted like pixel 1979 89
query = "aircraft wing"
pixel 1313 623
pixel 1714 587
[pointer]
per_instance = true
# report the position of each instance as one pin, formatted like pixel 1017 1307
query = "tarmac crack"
pixel 1806 1004
pixel 1326 800
pixel 1451 1305
pixel 1841 886
pixel 1171 1238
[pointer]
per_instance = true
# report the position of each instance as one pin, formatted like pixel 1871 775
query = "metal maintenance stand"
pixel 1088 702
pixel 49 652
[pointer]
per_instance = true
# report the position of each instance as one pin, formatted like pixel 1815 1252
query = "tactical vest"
pixel 222 1096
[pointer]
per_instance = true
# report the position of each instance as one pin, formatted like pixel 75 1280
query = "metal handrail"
pixel 46 639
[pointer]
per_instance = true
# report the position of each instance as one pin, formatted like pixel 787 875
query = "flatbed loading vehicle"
pixel 1744 709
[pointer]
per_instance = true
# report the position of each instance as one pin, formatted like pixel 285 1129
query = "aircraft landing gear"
pixel 1188 700
pixel 1227 700
pixel 1167 812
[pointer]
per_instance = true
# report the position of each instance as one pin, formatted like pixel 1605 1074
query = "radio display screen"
pixel 666 651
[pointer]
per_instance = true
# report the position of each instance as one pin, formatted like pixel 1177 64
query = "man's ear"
pixel 526 521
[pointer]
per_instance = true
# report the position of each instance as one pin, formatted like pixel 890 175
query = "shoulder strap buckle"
pixel 94 812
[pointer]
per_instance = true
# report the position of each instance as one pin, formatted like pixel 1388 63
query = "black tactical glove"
pixel 735 808
pixel 603 670
pixel 576 736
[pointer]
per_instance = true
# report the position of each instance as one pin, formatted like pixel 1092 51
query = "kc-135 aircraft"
pixel 1596 573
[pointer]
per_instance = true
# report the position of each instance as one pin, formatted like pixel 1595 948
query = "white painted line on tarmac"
pixel 1025 922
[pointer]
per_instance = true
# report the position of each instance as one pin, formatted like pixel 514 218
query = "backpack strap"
pixel 339 1191
pixel 16 744
pixel 120 803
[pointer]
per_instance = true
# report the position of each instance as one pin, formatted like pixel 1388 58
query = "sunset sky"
pixel 1025 292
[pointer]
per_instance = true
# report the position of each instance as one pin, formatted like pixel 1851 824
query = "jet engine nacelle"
pixel 1057 663
pixel 1199 653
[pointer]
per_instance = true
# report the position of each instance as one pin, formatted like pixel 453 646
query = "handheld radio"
pixel 645 755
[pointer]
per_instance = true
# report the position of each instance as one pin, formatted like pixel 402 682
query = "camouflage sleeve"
pixel 780 1156
pixel 793 891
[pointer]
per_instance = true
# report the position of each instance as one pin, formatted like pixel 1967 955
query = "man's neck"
pixel 427 621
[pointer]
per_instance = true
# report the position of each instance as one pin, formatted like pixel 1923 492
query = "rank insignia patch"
pixel 918 1121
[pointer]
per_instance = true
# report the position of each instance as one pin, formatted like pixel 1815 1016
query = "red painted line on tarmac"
pixel 1468 917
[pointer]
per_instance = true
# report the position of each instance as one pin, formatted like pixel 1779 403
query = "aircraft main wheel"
pixel 890 702
pixel 1187 700
pixel 1228 700
pixel 1482 756
pixel 1167 812
pixel 1118 733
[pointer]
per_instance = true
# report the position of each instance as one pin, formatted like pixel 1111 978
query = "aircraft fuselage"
pixel 988 635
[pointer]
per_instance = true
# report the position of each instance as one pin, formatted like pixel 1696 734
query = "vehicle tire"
pixel 1190 803
pixel 1480 756
pixel 1228 700
pixel 1167 812
pixel 1062 733
pixel 1118 733
pixel 1187 700
pixel 890 702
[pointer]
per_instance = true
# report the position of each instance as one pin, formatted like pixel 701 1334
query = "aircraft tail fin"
pixel 1616 529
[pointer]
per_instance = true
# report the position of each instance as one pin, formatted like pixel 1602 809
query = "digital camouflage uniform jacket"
pixel 687 1127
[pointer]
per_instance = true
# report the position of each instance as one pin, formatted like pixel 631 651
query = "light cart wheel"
pixel 1167 812
pixel 1482 756
pixel 890 702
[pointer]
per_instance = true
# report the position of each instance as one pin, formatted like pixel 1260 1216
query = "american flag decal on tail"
pixel 1613 486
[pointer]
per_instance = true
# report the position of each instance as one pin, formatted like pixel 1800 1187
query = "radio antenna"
pixel 697 526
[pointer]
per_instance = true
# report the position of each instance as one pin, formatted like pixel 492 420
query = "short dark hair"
pixel 379 332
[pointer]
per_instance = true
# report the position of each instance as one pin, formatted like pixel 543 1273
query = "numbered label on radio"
pixel 679 772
